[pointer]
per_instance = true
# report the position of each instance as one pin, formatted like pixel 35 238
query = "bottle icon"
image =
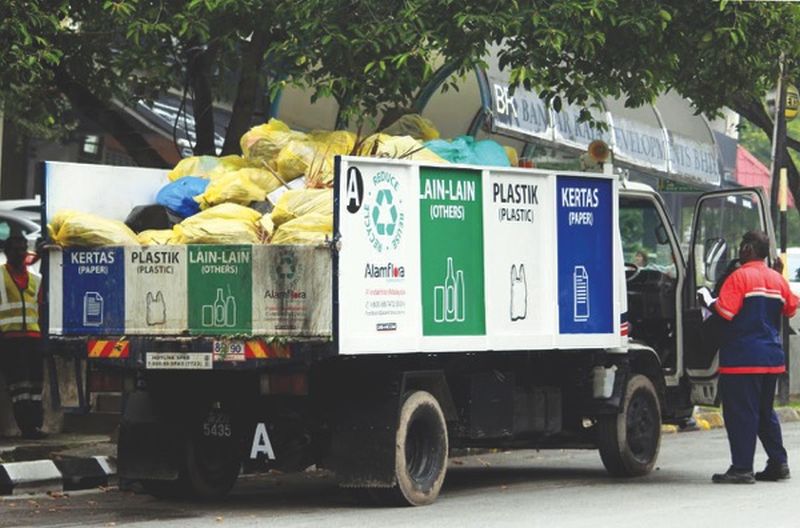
pixel 580 279
pixel 219 309
pixel 460 308
pixel 450 293
pixel 449 301
pixel 230 309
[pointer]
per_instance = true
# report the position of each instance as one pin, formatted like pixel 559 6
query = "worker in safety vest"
pixel 20 337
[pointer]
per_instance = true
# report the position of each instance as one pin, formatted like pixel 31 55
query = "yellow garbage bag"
pixel 296 203
pixel 242 187
pixel 156 237
pixel 88 230
pixel 267 227
pixel 58 220
pixel 414 125
pixel 312 228
pixel 513 158
pixel 261 144
pixel 301 158
pixel 329 145
pixel 228 211
pixel 217 231
pixel 206 166
pixel 397 147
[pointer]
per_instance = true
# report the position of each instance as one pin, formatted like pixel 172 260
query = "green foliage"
pixel 373 57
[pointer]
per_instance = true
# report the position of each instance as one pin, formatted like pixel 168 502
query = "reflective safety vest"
pixel 19 309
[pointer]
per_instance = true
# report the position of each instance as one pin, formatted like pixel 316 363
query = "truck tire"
pixel 630 440
pixel 421 449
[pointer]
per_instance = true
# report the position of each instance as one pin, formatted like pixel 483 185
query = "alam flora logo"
pixel 383 213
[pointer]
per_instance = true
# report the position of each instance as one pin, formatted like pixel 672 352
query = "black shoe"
pixel 774 472
pixel 734 476
pixel 34 434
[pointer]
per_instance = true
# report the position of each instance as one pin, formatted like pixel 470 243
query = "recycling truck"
pixel 454 307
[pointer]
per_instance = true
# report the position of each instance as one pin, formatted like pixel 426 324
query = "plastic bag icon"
pixel 156 309
pixel 519 293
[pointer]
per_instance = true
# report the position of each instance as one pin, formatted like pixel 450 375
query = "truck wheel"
pixel 629 441
pixel 421 450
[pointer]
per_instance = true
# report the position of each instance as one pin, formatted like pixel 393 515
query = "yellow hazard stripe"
pixel 97 349
pixel 257 349
pixel 118 349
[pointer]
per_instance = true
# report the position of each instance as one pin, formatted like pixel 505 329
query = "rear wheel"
pixel 421 449
pixel 629 441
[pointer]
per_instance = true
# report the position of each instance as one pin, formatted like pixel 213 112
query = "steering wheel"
pixel 631 271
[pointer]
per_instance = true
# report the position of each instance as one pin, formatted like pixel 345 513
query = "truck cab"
pixel 664 268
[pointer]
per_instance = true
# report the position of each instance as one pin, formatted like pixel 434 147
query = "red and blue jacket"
pixel 752 299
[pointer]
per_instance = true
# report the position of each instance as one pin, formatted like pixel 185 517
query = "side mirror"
pixel 661 235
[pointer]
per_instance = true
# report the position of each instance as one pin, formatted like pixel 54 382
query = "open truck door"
pixel 720 220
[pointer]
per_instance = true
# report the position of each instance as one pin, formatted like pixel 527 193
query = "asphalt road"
pixel 522 488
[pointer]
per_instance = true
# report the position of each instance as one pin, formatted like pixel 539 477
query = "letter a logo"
pixel 354 190
pixel 261 443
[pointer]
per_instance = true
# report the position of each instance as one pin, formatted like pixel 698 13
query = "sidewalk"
pixel 58 463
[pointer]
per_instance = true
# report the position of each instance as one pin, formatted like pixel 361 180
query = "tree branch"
pixel 199 71
pixel 246 93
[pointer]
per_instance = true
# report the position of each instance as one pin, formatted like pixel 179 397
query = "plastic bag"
pixel 241 187
pixel 178 196
pixel 511 154
pixel 58 220
pixel 464 149
pixel 227 211
pixel 156 237
pixel 216 231
pixel 206 166
pixel 312 228
pixel 300 158
pixel 413 125
pixel 70 228
pixel 398 147
pixel 294 204
pixel 328 145
pixel 261 144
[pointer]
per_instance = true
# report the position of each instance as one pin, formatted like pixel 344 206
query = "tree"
pixel 373 57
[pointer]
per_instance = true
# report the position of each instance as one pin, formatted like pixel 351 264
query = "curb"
pixel 55 476
pixel 707 420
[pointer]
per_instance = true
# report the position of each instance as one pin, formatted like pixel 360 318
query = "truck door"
pixel 720 220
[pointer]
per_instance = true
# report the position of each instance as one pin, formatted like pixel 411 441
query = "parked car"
pixel 28 208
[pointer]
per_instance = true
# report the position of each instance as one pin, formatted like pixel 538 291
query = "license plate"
pixel 179 360
pixel 225 350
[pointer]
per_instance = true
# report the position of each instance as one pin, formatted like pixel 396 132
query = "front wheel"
pixel 629 441
pixel 421 448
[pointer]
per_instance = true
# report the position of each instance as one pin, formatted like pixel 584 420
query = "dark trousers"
pixel 22 365
pixel 747 401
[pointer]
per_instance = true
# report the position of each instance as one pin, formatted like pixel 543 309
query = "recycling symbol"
pixel 286 267
pixel 384 214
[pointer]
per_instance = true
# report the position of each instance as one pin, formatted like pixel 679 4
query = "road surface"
pixel 562 489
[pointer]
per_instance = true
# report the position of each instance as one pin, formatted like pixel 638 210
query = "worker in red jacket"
pixel 752 299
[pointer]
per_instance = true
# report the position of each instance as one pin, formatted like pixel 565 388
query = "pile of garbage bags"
pixel 244 199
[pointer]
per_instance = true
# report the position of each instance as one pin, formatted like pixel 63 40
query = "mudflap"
pixel 149 447
pixel 362 450
pixel 361 403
